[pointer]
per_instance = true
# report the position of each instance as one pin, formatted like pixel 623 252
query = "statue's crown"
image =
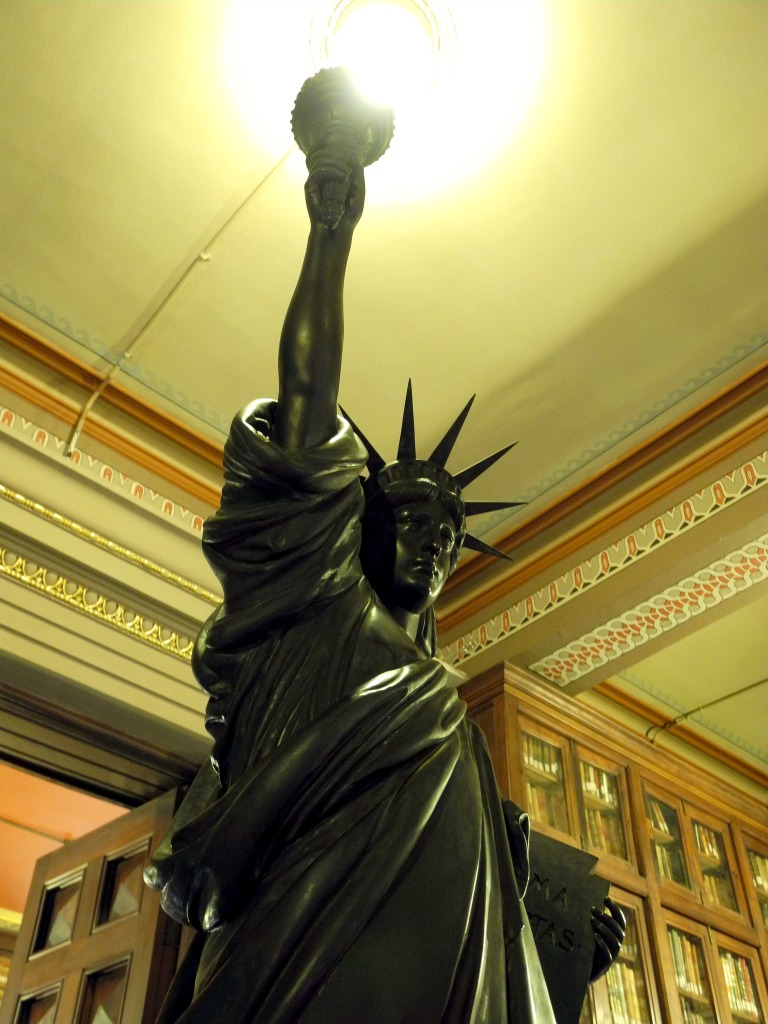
pixel 387 478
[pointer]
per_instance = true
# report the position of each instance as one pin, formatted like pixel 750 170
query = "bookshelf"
pixel 623 995
pixel 716 977
pixel 603 800
pixel 685 852
pixel 692 978
pixel 713 862
pixel 663 818
pixel 545 774
pixel 740 987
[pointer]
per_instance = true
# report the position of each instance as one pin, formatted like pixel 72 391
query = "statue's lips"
pixel 425 568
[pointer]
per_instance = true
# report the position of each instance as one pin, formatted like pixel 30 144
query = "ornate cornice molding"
pixel 729 489
pixel 692 596
pixel 15 425
pixel 129 448
pixel 83 598
pixel 726 402
pixel 612 692
pixel 100 541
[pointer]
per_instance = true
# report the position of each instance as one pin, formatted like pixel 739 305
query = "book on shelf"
pixel 605 831
pixel 707 841
pixel 532 802
pixel 669 864
pixel 617 998
pixel 630 949
pixel 693 1015
pixel 718 888
pixel 542 756
pixel 600 784
pixel 686 957
pixel 739 984
pixel 626 995
pixel 545 806
pixel 633 984
pixel 759 865
pixel 656 815
pixel 662 861
pixel 711 890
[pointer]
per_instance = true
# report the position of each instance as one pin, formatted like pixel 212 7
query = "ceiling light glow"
pixel 396 49
pixel 466 71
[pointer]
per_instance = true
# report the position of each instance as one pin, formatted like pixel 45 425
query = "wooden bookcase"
pixel 685 853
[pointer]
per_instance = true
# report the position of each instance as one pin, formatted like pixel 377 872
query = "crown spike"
pixel 375 461
pixel 440 455
pixel 473 472
pixel 407 446
pixel 477 508
pixel 486 549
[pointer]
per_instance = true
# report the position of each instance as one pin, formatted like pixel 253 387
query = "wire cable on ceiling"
pixel 653 731
pixel 203 257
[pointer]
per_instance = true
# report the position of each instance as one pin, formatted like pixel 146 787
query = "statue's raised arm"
pixel 309 361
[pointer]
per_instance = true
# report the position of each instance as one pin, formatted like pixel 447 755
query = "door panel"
pixel 94 946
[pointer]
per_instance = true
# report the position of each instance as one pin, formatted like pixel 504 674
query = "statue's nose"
pixel 431 543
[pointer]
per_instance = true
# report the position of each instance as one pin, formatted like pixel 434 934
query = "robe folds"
pixel 346 855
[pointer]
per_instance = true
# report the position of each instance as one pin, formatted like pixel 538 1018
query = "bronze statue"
pixel 345 855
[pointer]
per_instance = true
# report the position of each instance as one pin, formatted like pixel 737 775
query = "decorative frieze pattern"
pixel 84 599
pixel 655 533
pixel 706 589
pixel 15 425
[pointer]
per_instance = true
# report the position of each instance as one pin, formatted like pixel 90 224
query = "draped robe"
pixel 346 854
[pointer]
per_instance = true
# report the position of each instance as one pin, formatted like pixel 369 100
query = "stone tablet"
pixel 561 892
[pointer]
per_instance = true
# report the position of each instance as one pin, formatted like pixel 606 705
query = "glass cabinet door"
pixel 626 994
pixel 605 814
pixel 758 869
pixel 740 987
pixel 714 869
pixel 626 982
pixel 545 782
pixel 666 840
pixel 692 978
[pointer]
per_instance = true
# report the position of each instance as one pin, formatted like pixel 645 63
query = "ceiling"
pixel 597 282
pixel 36 817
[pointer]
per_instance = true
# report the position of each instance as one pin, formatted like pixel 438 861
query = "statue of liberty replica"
pixel 345 854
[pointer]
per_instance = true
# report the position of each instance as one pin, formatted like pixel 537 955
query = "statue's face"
pixel 424 542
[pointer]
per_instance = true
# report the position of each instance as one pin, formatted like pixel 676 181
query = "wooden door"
pixel 94 945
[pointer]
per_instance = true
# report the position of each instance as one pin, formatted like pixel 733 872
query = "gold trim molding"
pixel 97 539
pixel 725 407
pixel 84 599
